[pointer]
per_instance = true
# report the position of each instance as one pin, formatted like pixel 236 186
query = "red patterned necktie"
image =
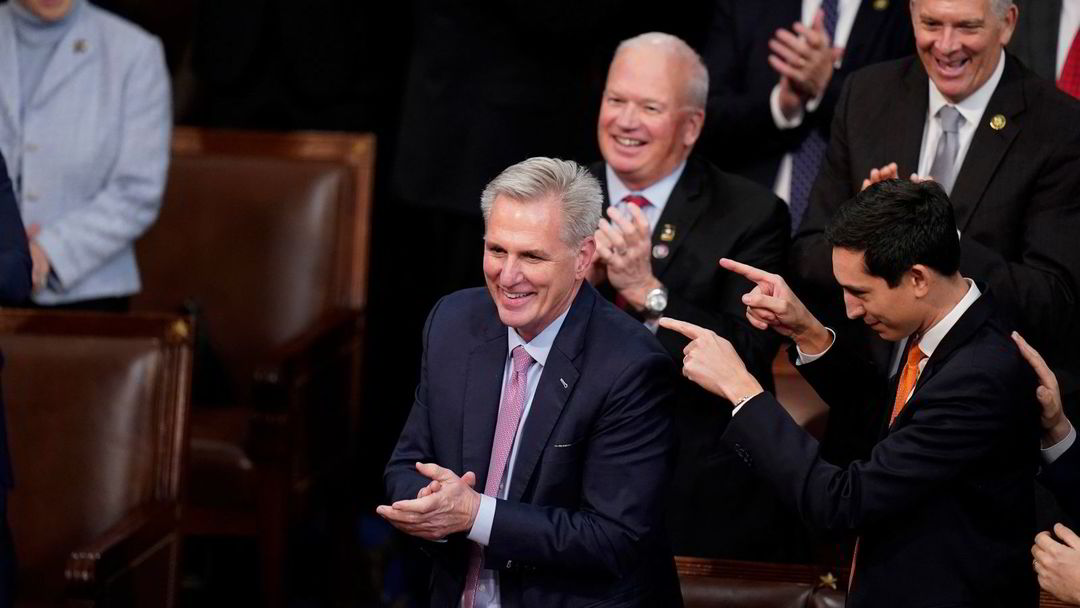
pixel 510 410
pixel 1069 81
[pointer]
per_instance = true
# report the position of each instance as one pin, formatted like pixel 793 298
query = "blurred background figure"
pixel 1047 40
pixel 14 289
pixel 84 126
pixel 777 70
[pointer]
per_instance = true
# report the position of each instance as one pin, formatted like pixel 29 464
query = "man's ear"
pixel 920 277
pixel 692 129
pixel 586 253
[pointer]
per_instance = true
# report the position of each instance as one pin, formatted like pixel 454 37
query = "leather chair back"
pixel 260 235
pixel 97 411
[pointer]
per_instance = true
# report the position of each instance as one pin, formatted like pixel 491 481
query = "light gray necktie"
pixel 947 147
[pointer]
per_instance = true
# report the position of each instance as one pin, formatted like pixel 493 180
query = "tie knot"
pixel 636 199
pixel 914 353
pixel 522 359
pixel 950 119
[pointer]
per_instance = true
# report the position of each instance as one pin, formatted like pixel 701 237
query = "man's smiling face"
pixel 959 42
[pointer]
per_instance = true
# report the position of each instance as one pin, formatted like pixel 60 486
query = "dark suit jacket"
pixel 714 215
pixel 944 506
pixel 1035 39
pixel 582 522
pixel 1062 477
pixel 14 286
pixel 1016 198
pixel 740 134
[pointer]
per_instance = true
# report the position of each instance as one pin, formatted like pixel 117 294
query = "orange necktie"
pixel 907 377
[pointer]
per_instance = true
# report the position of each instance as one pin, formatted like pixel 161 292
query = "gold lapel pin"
pixel 997 123
pixel 880 5
pixel 667 233
pixel 80 46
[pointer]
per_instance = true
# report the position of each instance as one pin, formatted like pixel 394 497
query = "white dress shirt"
pixel 971 108
pixel 1068 29
pixel 657 194
pixel 487 588
pixel 845 20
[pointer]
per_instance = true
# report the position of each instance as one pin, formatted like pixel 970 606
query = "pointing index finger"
pixel 687 329
pixel 754 274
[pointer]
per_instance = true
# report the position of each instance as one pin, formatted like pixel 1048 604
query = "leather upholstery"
pixel 97 412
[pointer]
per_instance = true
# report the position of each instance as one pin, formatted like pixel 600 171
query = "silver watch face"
pixel 656 301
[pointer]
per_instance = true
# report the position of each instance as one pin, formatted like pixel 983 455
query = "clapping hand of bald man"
pixel 624 249
pixel 448 504
pixel 805 59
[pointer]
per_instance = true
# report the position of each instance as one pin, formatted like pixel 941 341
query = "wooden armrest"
pixel 283 386
pixel 123 546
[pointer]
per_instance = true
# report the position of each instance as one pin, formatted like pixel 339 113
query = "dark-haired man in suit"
pixel 944 504
pixel 671 217
pixel 777 70
pixel 1004 145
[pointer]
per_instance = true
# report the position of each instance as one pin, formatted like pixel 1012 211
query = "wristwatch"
pixel 655 302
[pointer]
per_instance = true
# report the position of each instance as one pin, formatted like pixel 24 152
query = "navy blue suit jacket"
pixel 944 506
pixel 581 524
pixel 14 286
pixel 1062 477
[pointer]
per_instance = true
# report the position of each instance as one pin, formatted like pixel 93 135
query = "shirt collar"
pixel 658 193
pixel 539 347
pixel 933 336
pixel 972 106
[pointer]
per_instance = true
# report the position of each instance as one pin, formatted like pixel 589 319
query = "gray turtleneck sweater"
pixel 36 41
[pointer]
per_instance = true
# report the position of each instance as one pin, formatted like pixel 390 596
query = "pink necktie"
pixel 513 404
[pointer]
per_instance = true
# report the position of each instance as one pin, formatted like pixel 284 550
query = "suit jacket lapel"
pixel 970 322
pixel 77 47
pixel 557 382
pixel 989 145
pixel 681 212
pixel 10 95
pixel 480 411
pixel 905 130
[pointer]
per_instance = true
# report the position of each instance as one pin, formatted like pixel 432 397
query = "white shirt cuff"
pixel 1052 453
pixel 783 122
pixel 804 358
pixel 480 533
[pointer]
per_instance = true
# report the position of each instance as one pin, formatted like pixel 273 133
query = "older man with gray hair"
pixel 671 216
pixel 551 402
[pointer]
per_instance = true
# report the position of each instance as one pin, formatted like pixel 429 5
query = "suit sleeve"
pixel 414 445
pixel 1062 477
pixel 1040 284
pixel 736 112
pixel 958 420
pixel 14 251
pixel 82 240
pixel 764 246
pixel 625 468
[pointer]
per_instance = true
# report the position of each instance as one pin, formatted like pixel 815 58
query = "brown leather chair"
pixel 264 238
pixel 97 411
pixel 717 583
